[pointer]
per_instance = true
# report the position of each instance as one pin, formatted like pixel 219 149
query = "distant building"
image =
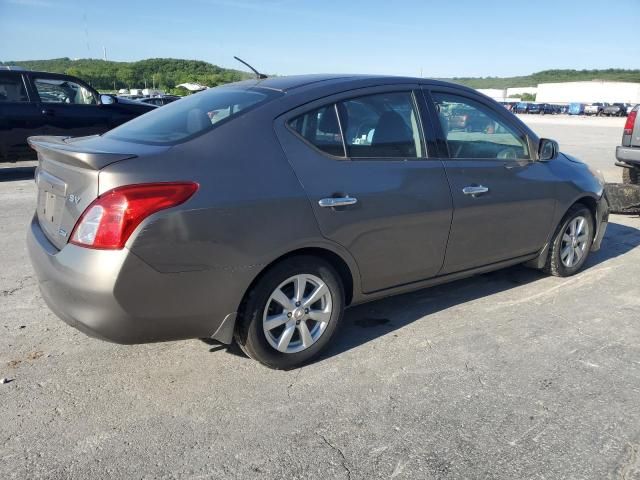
pixel 589 92
pixel 498 94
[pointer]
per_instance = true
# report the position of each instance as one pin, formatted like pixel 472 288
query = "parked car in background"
pixel 311 193
pixel 628 153
pixel 159 100
pixel 615 110
pixel 41 103
pixel 523 107
pixel 542 108
pixel 594 108
pixel 576 109
pixel 534 108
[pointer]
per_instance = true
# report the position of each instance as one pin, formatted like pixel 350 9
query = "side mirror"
pixel 547 149
pixel 107 99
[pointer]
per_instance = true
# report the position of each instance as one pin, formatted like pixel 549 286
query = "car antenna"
pixel 259 76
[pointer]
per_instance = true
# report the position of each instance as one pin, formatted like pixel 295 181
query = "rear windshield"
pixel 190 116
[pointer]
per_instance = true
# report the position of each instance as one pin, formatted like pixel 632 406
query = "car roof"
pixel 291 82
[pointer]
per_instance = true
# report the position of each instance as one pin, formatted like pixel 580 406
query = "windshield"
pixel 191 116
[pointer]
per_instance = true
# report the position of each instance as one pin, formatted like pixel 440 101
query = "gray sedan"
pixel 258 211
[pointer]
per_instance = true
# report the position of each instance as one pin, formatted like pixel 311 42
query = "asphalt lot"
pixel 509 375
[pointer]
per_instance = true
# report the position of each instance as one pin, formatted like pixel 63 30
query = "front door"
pixel 362 160
pixel 69 108
pixel 503 199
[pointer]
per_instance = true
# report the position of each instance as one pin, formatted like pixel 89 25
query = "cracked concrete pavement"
pixel 507 375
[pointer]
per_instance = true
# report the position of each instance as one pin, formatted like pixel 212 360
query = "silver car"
pixel 258 211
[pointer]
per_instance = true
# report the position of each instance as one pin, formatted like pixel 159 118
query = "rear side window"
pixel 321 128
pixel 382 125
pixel 191 116
pixel 474 130
pixel 12 89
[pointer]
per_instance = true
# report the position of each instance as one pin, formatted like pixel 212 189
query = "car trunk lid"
pixel 67 178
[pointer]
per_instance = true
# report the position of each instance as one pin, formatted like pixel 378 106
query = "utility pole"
pixel 104 53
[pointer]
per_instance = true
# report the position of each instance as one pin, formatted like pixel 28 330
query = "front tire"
pixel 291 313
pixel 571 242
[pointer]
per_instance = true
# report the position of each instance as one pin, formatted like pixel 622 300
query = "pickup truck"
pixel 594 109
pixel 628 154
pixel 41 103
pixel 615 110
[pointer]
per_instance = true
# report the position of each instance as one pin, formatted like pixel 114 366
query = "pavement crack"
pixel 336 449
pixel 295 379
pixel 20 286
pixel 632 462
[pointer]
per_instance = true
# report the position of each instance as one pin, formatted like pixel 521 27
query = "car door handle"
pixel 48 111
pixel 337 201
pixel 475 190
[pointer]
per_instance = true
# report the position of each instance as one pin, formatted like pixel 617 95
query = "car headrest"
pixel 197 121
pixel 391 128
pixel 329 122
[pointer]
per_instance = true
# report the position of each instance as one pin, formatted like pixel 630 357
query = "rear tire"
pixel 571 242
pixel 630 176
pixel 302 329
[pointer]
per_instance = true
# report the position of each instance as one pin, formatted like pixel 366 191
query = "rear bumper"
pixel 114 295
pixel 628 154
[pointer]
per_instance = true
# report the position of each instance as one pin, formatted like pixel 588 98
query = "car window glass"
pixel 54 90
pixel 12 89
pixel 191 116
pixel 474 130
pixel 321 128
pixel 381 126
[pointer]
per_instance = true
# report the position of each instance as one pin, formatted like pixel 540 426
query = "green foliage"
pixel 528 97
pixel 164 73
pixel 550 76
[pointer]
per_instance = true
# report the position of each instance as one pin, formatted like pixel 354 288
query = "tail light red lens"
pixel 112 217
pixel 630 123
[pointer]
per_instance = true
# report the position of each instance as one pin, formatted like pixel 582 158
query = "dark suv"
pixel 40 103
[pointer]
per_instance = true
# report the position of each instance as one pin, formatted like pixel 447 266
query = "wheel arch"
pixel 342 267
pixel 587 201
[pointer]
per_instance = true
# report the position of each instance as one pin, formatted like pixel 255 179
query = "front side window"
pixel 12 89
pixel 475 131
pixel 321 128
pixel 53 90
pixel 383 125
pixel 191 116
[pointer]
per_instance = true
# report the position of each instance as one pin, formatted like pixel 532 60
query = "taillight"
pixel 631 121
pixel 112 217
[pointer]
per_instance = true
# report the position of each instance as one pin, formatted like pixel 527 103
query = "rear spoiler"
pixel 57 149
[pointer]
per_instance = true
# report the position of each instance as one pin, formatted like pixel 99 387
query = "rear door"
pixel 69 107
pixel 373 186
pixel 503 199
pixel 19 117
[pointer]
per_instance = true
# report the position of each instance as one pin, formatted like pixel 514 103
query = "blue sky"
pixel 443 39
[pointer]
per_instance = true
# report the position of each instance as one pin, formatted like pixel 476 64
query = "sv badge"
pixel 75 199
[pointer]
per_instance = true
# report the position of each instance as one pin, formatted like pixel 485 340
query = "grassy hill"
pixel 549 76
pixel 165 73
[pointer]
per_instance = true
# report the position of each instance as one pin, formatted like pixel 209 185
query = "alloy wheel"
pixel 297 313
pixel 574 241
